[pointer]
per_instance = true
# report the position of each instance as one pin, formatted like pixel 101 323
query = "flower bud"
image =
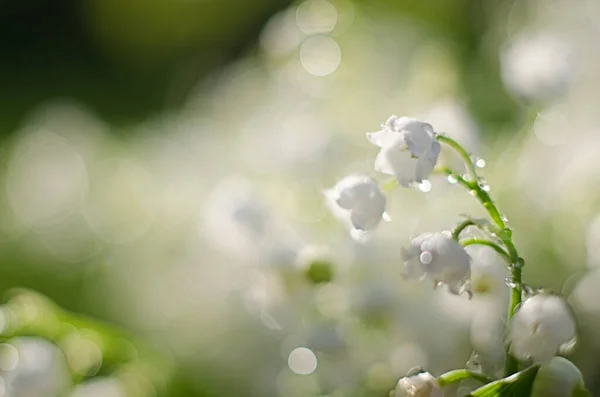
pixel 438 257
pixel 558 378
pixel 542 327
pixel 357 201
pixel 420 385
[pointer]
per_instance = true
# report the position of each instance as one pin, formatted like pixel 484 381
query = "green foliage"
pixel 517 385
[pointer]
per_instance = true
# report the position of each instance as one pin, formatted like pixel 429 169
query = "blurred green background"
pixel 163 164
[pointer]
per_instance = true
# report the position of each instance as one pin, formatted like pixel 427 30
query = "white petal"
pixel 382 138
pixel 392 160
pixel 419 137
pixel 426 162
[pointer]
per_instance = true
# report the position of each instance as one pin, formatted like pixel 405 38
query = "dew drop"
pixel 504 218
pixel 473 363
pixel 508 232
pixel 426 257
pixel 480 163
pixel 452 179
pixel 509 283
pixel 425 186
pixel 527 291
pixel 568 347
pixel 486 188
pixel 386 217
pixel 473 193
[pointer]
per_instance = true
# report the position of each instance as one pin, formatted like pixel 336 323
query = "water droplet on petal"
pixel 527 291
pixel 426 257
pixel 473 363
pixel 358 235
pixel 452 178
pixel 425 186
pixel 568 347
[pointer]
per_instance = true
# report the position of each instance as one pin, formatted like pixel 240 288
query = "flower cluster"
pixel 539 328
pixel 409 151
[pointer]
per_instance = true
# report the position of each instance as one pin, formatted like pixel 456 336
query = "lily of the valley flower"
pixel 409 150
pixel 420 385
pixel 358 201
pixel 558 378
pixel 440 258
pixel 541 327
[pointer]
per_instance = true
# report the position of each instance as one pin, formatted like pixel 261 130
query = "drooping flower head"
pixel 541 327
pixel 409 150
pixel 558 378
pixel 438 257
pixel 420 385
pixel 357 201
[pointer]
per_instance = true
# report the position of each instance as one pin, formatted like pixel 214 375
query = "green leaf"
pixel 517 385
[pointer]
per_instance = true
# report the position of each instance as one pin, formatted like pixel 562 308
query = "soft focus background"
pixel 162 169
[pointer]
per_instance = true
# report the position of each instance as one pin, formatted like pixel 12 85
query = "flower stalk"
pixel 473 184
pixel 459 375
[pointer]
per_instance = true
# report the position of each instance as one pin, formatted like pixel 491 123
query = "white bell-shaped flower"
pixel 438 257
pixel 357 201
pixel 409 150
pixel 558 378
pixel 420 385
pixel 542 327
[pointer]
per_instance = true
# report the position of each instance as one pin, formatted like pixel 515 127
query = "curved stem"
pixel 496 247
pixel 461 374
pixel 462 153
pixel 511 365
pixel 460 227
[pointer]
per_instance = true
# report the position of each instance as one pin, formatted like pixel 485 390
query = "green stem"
pixel 511 365
pixel 462 153
pixel 479 241
pixel 460 227
pixel 461 374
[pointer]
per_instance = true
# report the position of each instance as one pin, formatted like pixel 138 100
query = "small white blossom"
pixel 541 327
pixel 358 201
pixel 409 150
pixel 440 258
pixel 420 385
pixel 558 378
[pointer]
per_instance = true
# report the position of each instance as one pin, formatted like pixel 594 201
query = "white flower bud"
pixel 541 327
pixel 358 201
pixel 440 258
pixel 420 385
pixel 409 150
pixel 558 378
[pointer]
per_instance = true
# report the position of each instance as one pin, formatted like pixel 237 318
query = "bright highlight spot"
pixel 426 257
pixel 316 16
pixel 320 55
pixel 425 186
pixel 302 361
